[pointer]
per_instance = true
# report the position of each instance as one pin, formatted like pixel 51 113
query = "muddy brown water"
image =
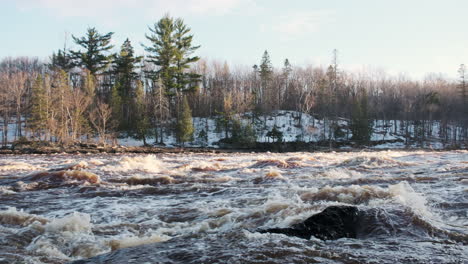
pixel 206 208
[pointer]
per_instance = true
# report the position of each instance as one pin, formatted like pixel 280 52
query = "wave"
pixel 138 180
pixel 73 166
pixel 60 238
pixel 12 216
pixel 204 166
pixel 65 176
pixel 284 164
pixel 17 166
pixel 401 193
pixel 354 194
pixel 273 174
pixel 372 162
pixel 340 173
pixel 149 163
pixel 375 222
pixel 74 222
pixel 134 241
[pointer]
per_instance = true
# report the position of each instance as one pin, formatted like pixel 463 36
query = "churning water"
pixel 207 208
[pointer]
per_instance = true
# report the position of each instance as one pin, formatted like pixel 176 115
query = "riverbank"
pixel 35 147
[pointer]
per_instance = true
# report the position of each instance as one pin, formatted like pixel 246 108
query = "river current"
pixel 207 208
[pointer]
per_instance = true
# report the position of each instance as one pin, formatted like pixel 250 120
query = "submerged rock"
pixel 332 223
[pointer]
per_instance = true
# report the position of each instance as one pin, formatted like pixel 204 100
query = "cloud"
pixel 300 23
pixel 108 8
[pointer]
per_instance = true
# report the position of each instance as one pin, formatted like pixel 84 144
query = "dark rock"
pixel 332 223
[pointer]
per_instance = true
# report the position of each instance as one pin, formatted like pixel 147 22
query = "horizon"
pixel 402 38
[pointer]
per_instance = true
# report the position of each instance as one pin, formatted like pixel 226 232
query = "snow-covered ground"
pixel 295 126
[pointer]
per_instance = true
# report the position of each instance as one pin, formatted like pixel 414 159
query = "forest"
pixel 99 92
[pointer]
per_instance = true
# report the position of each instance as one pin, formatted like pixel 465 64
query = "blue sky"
pixel 414 37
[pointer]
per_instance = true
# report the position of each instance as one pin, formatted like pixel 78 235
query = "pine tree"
pixel 38 117
pixel 462 88
pixel 265 72
pixel 141 126
pixel 88 83
pixel 186 81
pixel 286 73
pixel 94 57
pixel 361 124
pixel 162 52
pixel 185 125
pixel 171 49
pixel 275 134
pixel 61 61
pixel 116 106
pixel 125 65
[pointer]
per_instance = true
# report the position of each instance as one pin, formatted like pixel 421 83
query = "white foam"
pixel 75 222
pixel 134 241
pixel 147 163
pixel 12 216
pixel 273 173
pixel 354 194
pixel 368 161
pixel 96 162
pixel 6 190
pixel 341 173
pixel 405 194
pixel 18 166
pixel 45 247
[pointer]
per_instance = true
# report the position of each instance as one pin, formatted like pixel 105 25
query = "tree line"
pixel 92 92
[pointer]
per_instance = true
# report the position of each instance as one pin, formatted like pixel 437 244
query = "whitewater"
pixel 208 208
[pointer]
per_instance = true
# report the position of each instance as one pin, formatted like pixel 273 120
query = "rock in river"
pixel 332 223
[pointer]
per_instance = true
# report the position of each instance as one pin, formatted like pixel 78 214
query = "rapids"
pixel 207 208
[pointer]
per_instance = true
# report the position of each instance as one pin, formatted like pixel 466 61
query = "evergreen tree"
pixel 61 61
pixel 361 124
pixel 38 117
pixel 185 124
pixel 125 64
pixel 116 106
pixel 141 126
pixel 162 52
pixel 94 57
pixel 88 83
pixel 462 87
pixel 275 134
pixel 186 81
pixel 265 72
pixel 286 73
pixel 266 69
pixel 123 90
pixel 242 135
pixel 171 49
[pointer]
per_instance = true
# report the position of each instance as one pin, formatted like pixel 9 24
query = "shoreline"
pixel 81 148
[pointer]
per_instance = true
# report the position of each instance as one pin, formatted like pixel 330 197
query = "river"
pixel 207 208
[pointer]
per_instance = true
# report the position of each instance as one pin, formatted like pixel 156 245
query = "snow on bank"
pixel 295 126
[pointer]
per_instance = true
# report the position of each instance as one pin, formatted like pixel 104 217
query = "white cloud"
pixel 109 8
pixel 303 22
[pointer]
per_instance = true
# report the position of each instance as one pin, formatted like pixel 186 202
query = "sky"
pixel 410 37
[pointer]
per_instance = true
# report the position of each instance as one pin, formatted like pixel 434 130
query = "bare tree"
pixel 17 90
pixel 161 111
pixel 99 118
